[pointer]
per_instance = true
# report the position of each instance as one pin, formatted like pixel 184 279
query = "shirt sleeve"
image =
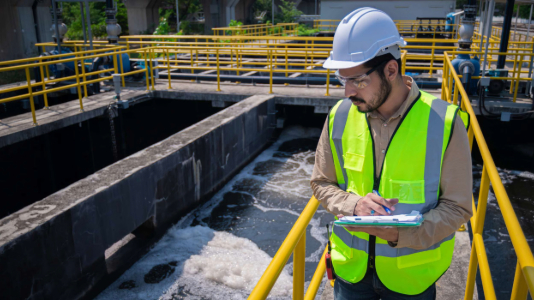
pixel 454 206
pixel 324 181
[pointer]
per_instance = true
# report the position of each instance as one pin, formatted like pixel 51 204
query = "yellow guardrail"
pixel 280 29
pixel 453 92
pixel 81 77
pixel 239 54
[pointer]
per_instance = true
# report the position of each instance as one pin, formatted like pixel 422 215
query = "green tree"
pixel 288 12
pixel 260 6
pixel 73 19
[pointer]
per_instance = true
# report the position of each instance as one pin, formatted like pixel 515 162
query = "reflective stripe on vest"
pixel 411 171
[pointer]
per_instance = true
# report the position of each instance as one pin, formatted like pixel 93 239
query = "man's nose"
pixel 350 90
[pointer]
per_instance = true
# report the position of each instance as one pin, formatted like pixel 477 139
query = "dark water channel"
pixel 221 249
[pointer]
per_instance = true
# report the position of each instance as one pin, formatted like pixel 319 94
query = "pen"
pixel 385 207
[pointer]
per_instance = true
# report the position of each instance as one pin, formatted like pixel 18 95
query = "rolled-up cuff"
pixel 405 237
pixel 350 204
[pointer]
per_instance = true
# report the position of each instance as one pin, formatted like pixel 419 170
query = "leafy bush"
pixel 289 12
pixel 304 30
pixel 234 23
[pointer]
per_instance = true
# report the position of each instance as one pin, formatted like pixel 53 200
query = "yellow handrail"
pixel 525 259
pixel 266 282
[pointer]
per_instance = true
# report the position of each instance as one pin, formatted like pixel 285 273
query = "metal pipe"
pixel 516 19
pixel 58 40
pixel 88 15
pixel 490 21
pixel 483 24
pixel 529 19
pixel 82 12
pixel 177 18
pixel 272 8
pixel 505 35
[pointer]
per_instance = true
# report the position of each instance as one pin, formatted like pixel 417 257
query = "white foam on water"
pixel 209 264
pixel 219 265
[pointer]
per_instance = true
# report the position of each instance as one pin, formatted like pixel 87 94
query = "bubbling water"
pixel 221 249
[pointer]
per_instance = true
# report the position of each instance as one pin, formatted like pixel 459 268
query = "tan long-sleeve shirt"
pixel 454 206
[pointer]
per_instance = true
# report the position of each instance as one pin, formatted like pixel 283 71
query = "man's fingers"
pixel 390 203
pixel 379 210
pixel 393 201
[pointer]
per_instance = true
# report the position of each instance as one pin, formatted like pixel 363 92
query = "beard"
pixel 377 101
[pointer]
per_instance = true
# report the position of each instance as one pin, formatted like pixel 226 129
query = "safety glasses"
pixel 358 82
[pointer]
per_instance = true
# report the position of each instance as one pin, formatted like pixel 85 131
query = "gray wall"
pixel 54 248
pixel 19 34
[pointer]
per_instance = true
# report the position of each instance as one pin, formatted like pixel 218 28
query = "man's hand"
pixel 374 202
pixel 386 233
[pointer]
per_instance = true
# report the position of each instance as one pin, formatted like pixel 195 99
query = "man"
pixel 410 147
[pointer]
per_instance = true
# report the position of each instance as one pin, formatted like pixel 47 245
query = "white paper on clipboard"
pixel 414 218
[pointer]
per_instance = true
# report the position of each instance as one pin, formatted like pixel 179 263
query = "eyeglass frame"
pixel 339 77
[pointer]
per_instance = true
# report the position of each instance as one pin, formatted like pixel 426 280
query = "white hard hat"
pixel 363 34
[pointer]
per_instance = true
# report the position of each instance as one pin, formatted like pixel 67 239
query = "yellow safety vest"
pixel 411 172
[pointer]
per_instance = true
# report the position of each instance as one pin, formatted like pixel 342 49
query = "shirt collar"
pixel 412 96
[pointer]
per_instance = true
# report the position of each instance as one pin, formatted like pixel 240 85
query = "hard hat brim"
pixel 336 64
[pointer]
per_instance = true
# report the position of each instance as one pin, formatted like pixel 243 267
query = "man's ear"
pixel 391 70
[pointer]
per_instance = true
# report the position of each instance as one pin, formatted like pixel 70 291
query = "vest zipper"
pixel 376 182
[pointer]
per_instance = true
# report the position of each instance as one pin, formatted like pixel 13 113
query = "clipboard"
pixel 412 219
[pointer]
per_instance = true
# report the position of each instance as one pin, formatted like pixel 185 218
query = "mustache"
pixel 356 99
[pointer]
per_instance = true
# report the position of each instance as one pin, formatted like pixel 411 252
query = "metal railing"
pixel 280 29
pixel 241 54
pixel 81 77
pixel 453 92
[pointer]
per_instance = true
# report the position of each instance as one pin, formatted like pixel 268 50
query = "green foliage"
pixel 73 19
pixel 260 6
pixel 163 27
pixel 289 13
pixel 186 7
pixel 304 30
pixel 234 23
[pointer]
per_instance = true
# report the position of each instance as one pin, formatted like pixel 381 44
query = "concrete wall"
pixel 143 15
pixel 54 248
pixel 397 10
pixel 19 34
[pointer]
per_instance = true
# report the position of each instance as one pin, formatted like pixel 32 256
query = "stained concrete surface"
pixel 55 248
pixel 451 286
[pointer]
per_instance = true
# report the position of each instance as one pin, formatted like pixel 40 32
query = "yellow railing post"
pixel 45 96
pixel 145 55
pixel 287 63
pixel 122 70
pixel 30 91
pixel 152 66
pixel 432 59
pixel 518 76
pixel 267 280
pixel 218 73
pixel 84 78
pixel 78 82
pixel 169 68
pixel 520 289
pixel 299 257
pixel 270 72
